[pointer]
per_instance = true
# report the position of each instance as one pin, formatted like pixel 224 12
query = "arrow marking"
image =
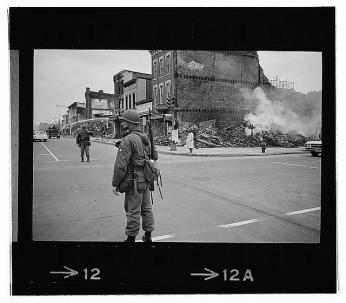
pixel 69 273
pixel 211 274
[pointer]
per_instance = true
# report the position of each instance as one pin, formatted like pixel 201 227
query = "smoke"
pixel 298 113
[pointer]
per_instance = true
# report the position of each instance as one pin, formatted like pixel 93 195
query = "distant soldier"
pixel 263 146
pixel 83 142
pixel 128 177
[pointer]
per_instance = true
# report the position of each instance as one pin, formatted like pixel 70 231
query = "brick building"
pixel 206 85
pixel 131 90
pixel 76 112
pixel 98 104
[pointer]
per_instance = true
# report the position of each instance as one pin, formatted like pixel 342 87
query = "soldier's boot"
pixel 82 160
pixel 147 237
pixel 88 158
pixel 130 239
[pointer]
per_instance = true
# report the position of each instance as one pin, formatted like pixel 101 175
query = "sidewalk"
pixel 219 151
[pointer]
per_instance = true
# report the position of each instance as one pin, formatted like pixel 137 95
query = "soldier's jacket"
pixel 83 138
pixel 134 149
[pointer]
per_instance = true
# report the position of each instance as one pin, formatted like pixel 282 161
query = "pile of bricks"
pixel 235 136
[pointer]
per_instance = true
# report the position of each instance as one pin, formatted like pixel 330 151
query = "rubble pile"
pixel 234 136
pixel 162 140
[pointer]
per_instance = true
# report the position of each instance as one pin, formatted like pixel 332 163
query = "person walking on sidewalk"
pixel 83 142
pixel 189 140
pixel 128 177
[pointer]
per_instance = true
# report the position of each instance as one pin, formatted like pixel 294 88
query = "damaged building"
pixel 98 104
pixel 204 85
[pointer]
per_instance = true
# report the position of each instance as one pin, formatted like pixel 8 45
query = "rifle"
pixel 151 155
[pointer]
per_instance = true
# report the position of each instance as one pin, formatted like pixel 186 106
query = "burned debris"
pixel 238 135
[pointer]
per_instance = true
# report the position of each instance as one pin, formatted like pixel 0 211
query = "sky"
pixel 61 76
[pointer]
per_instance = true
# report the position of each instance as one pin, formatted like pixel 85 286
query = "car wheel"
pixel 313 153
pixel 45 140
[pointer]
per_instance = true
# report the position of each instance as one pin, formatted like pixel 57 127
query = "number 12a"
pixel 234 275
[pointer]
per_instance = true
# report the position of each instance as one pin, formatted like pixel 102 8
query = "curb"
pixel 229 155
pixel 217 155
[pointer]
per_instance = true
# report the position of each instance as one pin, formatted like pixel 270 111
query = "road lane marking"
pixel 159 238
pixel 48 155
pixel 164 237
pixel 302 211
pixel 294 164
pixel 50 152
pixel 240 223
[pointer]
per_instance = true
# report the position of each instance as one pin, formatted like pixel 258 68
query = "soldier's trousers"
pixel 84 148
pixel 136 206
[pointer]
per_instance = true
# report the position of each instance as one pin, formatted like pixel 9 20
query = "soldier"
pixel 83 142
pixel 263 146
pixel 133 151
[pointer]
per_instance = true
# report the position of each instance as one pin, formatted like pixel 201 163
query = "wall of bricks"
pixel 210 83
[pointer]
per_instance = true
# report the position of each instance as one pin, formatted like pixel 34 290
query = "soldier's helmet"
pixel 131 116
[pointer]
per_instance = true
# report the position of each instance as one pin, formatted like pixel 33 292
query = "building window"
pixel 126 103
pixel 155 69
pixel 168 62
pixel 168 89
pixel 133 100
pixel 161 92
pixel 161 66
pixel 155 93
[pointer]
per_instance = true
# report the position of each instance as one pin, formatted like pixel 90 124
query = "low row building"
pixel 184 86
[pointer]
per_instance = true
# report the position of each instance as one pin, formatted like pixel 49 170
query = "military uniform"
pixel 83 141
pixel 133 151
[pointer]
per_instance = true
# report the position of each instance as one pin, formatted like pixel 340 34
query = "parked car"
pixel 40 136
pixel 315 147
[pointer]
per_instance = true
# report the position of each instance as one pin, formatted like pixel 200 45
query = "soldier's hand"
pixel 115 191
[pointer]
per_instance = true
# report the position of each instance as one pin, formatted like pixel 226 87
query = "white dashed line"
pixel 240 223
pixel 164 237
pixel 50 152
pixel 302 211
pixel 294 164
pixel 158 238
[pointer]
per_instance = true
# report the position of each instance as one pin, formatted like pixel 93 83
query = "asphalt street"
pixel 206 199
